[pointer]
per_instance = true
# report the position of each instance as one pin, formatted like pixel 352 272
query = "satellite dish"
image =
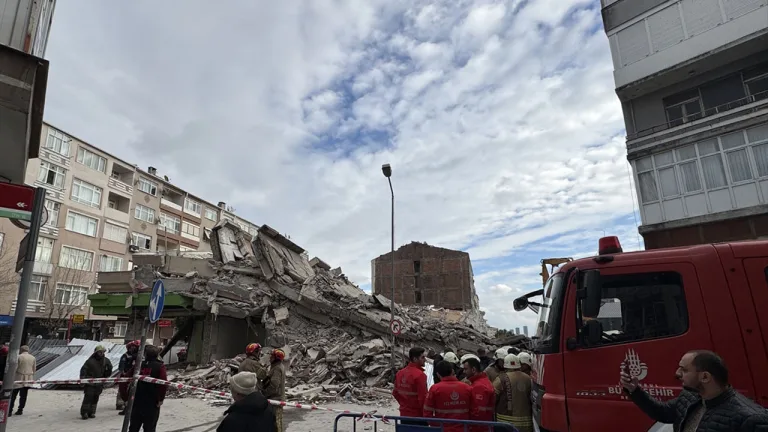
pixel 25 225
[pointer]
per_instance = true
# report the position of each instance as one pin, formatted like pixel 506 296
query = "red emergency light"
pixel 609 245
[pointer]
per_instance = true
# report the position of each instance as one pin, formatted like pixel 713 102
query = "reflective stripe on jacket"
pixel 410 390
pixel 449 399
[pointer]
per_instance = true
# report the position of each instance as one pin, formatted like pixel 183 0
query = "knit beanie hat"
pixel 244 383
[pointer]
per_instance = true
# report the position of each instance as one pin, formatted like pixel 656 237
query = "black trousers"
pixel 22 400
pixel 144 415
pixel 90 399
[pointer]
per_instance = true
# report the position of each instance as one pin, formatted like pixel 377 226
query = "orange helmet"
pixel 278 354
pixel 252 348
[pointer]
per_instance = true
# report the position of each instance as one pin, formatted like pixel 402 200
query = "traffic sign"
pixel 165 323
pixel 397 327
pixel 156 301
pixel 16 201
pixel 78 319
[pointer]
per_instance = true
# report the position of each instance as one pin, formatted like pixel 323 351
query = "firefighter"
pixel 454 361
pixel 526 362
pixel 513 391
pixel 97 366
pixel 411 386
pixel 448 399
pixel 125 366
pixel 497 367
pixel 274 384
pixel 149 397
pixel 464 358
pixel 252 363
pixel 483 393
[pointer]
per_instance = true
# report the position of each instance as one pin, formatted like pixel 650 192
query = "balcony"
pixel 118 207
pixel 681 39
pixel 170 204
pixel 33 306
pixel 120 186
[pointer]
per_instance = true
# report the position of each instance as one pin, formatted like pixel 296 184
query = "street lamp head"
pixel 387 170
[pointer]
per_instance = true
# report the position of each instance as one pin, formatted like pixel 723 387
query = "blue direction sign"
pixel 156 301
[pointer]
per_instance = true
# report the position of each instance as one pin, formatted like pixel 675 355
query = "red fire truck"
pixel 642 311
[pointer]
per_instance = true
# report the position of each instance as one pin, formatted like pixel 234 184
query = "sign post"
pixel 154 312
pixel 34 206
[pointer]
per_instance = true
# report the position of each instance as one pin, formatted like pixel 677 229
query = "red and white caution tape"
pixel 75 382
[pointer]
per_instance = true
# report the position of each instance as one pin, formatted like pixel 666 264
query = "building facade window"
pixel 82 224
pixel 115 233
pixel 53 213
pixel 38 285
pixel 110 264
pixel 52 174
pixel 73 295
pixel 44 250
pixel 57 142
pixel 120 329
pixel 683 108
pixel 190 229
pixel 211 214
pixel 91 160
pixel 76 259
pixel 86 193
pixel 147 186
pixel 141 241
pixel 193 206
pixel 144 213
pixel 171 223
pixel 716 163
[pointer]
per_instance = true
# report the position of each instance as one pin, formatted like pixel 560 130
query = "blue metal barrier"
pixel 418 424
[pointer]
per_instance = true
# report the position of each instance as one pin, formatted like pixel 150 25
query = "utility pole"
pixel 22 299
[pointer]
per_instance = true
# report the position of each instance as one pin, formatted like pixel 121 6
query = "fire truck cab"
pixel 643 311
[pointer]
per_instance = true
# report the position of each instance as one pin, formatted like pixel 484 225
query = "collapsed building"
pixel 264 289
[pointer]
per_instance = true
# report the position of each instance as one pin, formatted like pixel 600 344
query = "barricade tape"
pixel 366 417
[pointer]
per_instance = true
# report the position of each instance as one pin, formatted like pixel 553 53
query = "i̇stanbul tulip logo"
pixel 637 369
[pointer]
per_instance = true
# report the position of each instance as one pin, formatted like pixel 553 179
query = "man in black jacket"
pixel 149 397
pixel 97 366
pixel 707 403
pixel 251 411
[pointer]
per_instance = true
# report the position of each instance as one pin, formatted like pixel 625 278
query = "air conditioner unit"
pixel 133 248
pixel 111 330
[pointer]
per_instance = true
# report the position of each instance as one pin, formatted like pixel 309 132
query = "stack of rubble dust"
pixel 336 336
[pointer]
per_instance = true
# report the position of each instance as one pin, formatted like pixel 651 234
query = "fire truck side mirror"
pixel 591 293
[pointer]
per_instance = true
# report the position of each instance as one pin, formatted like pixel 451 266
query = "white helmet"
pixel 525 358
pixel 451 358
pixel 469 356
pixel 500 354
pixel 511 362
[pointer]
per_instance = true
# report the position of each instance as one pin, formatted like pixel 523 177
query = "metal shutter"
pixel 737 8
pixel 633 43
pixel 666 28
pixel 701 15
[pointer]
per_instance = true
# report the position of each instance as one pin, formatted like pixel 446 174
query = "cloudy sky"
pixel 498 118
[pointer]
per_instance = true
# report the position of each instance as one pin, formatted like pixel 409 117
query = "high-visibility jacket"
pixel 483 400
pixel 410 390
pixel 449 399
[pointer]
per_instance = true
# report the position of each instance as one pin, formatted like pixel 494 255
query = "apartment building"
pixel 692 77
pixel 100 210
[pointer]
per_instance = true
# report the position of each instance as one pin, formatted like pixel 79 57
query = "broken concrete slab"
pixel 281 314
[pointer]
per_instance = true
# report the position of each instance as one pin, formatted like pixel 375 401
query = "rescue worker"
pixel 526 362
pixel 437 359
pixel 411 387
pixel 495 369
pixel 251 411
pixel 252 362
pixel 25 371
pixel 149 397
pixel 454 361
pixel 97 366
pixel 448 399
pixel 513 396
pixel 464 358
pixel 274 384
pixel 485 361
pixel 124 367
pixel 483 393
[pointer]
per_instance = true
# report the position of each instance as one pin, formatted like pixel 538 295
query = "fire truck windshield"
pixel 549 313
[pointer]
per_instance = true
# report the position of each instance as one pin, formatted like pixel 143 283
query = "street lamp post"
pixel 387 170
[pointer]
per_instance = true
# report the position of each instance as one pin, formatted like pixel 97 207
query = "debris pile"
pixel 336 336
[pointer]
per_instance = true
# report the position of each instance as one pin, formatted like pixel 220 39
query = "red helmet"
pixel 4 349
pixel 278 354
pixel 133 344
pixel 252 348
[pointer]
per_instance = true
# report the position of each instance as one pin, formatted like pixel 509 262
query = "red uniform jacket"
pixel 410 390
pixel 483 400
pixel 449 399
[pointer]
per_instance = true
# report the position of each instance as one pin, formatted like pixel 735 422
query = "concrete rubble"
pixel 336 336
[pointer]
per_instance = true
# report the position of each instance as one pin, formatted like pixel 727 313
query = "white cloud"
pixel 499 119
